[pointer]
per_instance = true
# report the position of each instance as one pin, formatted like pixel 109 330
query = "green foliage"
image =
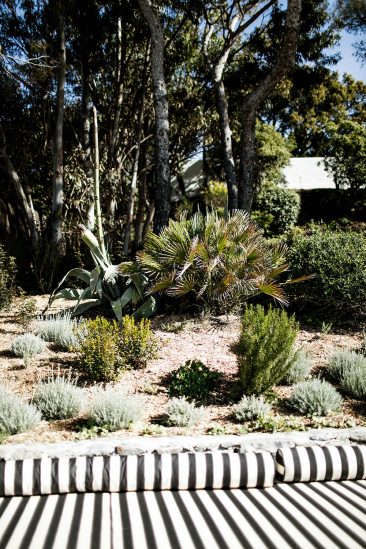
pixel 219 263
pixel 338 262
pixel 58 397
pixel 25 312
pixel 120 286
pixel 7 279
pixel 276 209
pixel 136 343
pixel 265 349
pixel 59 329
pixel 252 407
pixel 182 413
pixel 98 345
pixel 113 410
pixel 300 369
pixel 193 380
pixel 316 398
pixel 16 416
pixel 346 154
pixel 273 153
pixel 27 346
pixel 216 196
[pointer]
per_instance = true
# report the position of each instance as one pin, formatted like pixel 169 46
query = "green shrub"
pixel 193 380
pixel 265 349
pixel 337 259
pixel 27 346
pixel 26 312
pixel 16 416
pixel 276 209
pixel 316 398
pixel 137 344
pixel 114 410
pixel 98 345
pixel 59 329
pixel 251 407
pixel 7 279
pixel 182 413
pixel 300 369
pixel 58 397
pixel 218 262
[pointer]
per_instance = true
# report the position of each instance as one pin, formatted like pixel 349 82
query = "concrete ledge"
pixel 141 445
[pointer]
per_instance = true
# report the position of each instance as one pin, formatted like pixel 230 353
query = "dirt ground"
pixel 209 340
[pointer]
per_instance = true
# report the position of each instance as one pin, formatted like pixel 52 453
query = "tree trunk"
pixel 29 212
pixel 246 186
pixel 247 161
pixel 163 183
pixel 226 141
pixel 58 178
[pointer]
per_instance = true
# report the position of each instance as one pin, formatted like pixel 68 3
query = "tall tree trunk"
pixel 58 178
pixel 246 186
pixel 29 212
pixel 163 184
pixel 225 134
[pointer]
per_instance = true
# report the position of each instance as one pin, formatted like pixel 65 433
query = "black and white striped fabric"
pixel 314 463
pixel 327 515
pixel 185 471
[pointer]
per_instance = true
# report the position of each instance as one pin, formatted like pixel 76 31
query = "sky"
pixel 349 62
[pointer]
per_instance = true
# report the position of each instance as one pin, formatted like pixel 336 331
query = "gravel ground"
pixel 209 340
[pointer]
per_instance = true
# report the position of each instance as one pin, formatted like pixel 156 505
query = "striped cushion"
pixel 185 471
pixel 304 464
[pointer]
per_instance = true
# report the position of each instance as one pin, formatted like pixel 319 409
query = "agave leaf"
pixel 147 309
pixel 68 293
pixel 93 245
pixel 82 307
pixel 94 277
pixel 82 274
pixel 136 279
pixel 117 308
pixel 135 296
pixel 126 296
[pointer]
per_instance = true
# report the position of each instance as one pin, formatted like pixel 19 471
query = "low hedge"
pixel 338 262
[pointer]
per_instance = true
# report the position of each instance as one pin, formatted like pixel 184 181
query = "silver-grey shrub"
pixel 16 416
pixel 251 407
pixel 300 369
pixel 353 379
pixel 182 413
pixel 58 397
pixel 27 346
pixel 114 410
pixel 58 329
pixel 344 360
pixel 316 398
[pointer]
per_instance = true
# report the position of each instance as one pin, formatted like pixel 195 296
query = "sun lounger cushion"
pixel 184 471
pixel 310 463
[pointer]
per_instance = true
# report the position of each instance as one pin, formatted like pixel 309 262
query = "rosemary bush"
pixel 252 407
pixel 265 349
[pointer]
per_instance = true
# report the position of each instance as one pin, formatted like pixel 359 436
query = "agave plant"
pixel 121 285
pixel 220 261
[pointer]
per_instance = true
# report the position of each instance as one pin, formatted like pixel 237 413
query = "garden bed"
pixel 179 339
